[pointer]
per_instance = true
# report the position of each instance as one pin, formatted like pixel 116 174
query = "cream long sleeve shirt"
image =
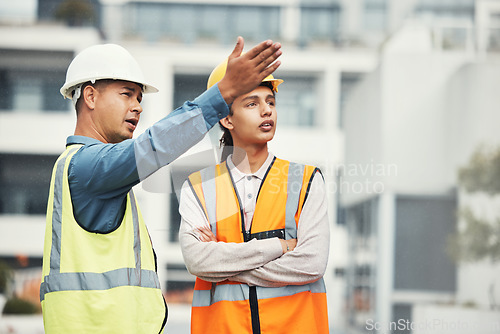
pixel 257 262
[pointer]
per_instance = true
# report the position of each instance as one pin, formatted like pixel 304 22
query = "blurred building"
pixel 384 133
pixel 409 126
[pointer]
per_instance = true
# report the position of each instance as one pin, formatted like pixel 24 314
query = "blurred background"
pixel 395 100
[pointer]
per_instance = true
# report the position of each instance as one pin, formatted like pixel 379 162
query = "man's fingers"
pixel 258 49
pixel 267 56
pixel 270 69
pixel 266 62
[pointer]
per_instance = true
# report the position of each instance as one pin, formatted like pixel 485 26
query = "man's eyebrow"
pixel 252 97
pixel 132 89
pixel 129 88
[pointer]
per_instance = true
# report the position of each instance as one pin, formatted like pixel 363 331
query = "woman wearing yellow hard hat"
pixel 254 230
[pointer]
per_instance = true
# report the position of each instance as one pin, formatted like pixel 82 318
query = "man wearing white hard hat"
pixel 99 266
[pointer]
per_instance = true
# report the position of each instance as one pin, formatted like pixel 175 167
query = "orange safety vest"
pixel 232 307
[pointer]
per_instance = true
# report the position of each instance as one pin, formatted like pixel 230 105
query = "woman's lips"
pixel 267 125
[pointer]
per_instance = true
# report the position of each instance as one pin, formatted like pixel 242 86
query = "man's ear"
pixel 226 122
pixel 89 95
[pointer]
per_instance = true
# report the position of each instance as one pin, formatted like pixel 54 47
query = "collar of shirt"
pixel 81 140
pixel 238 175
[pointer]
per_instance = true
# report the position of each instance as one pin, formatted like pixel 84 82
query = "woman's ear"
pixel 226 122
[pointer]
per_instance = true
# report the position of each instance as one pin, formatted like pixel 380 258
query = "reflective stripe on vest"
pixel 295 175
pixel 208 186
pixel 57 281
pixel 238 292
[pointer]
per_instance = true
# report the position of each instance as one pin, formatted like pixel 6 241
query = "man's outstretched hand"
pixel 245 72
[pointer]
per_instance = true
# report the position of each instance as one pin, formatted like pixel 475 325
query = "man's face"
pixel 254 117
pixel 117 110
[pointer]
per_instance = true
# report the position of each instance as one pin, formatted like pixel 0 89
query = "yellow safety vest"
pixel 232 307
pixel 97 283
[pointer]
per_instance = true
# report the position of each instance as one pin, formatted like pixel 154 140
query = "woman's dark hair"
pixel 226 141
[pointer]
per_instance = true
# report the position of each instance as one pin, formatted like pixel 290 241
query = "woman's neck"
pixel 249 160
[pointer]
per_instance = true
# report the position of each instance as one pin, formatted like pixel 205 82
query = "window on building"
pixel 375 15
pixel 493 32
pixel 348 81
pixel 30 80
pixel 24 183
pixel 423 224
pixel 453 9
pixel 361 223
pixel 189 23
pixel 71 12
pixel 187 87
pixel 297 101
pixel 320 22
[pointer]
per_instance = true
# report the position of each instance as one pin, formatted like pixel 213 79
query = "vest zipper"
pixel 254 310
pixel 253 300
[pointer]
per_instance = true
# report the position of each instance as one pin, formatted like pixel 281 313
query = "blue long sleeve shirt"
pixel 101 175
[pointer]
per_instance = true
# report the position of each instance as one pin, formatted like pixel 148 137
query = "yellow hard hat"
pixel 219 72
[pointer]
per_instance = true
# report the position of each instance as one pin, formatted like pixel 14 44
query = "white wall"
pixel 398 118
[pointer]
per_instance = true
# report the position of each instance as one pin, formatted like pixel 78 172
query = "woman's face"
pixel 253 119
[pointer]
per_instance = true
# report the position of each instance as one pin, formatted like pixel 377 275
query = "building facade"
pixel 355 91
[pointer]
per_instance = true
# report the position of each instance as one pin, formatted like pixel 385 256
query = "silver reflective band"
pixel 55 252
pixel 208 186
pixel 98 281
pixel 137 241
pixel 57 281
pixel 239 292
pixel 295 176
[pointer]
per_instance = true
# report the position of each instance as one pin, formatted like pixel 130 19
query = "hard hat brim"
pixel 274 82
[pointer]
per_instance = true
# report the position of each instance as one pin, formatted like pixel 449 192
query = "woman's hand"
pixel 205 234
pixel 288 245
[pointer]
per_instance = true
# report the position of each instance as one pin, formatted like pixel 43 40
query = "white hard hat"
pixel 106 61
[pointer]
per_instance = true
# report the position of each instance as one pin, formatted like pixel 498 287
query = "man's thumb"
pixel 238 48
